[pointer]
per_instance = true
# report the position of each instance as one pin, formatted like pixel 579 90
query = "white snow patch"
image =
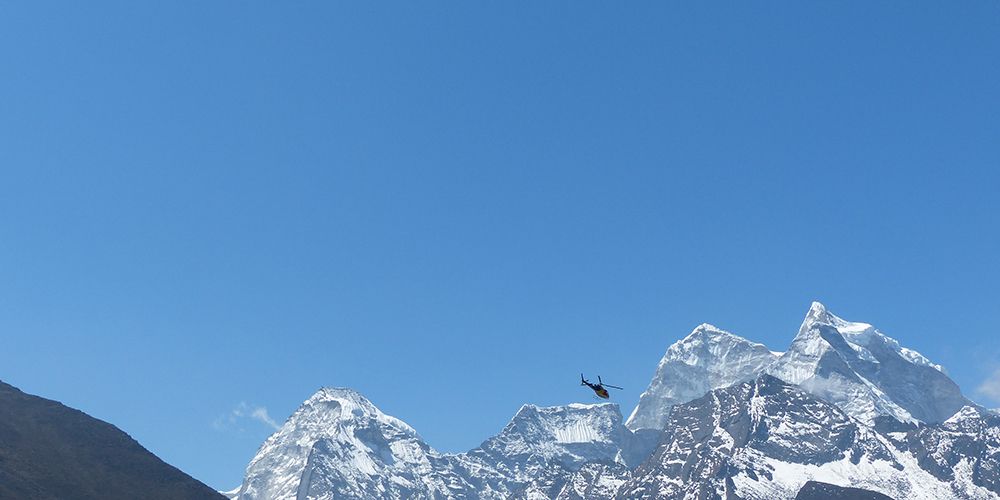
pixel 577 432
pixel 232 494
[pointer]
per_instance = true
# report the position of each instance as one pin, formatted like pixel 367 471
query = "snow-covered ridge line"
pixel 859 335
pixel 849 363
pixel 339 443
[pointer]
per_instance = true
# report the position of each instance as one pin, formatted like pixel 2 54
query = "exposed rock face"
pixel 723 443
pixel 964 450
pixel 594 481
pixel 766 439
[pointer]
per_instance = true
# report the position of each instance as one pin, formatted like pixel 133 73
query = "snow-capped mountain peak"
pixel 865 372
pixel 707 329
pixel 858 335
pixel 861 335
pixel 818 313
pixel 570 434
pixel 343 395
pixel 338 443
pixel 344 404
pixel 708 358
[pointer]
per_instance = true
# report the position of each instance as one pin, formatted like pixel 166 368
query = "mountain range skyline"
pixel 748 369
pixel 884 395
pixel 709 358
pixel 750 365
pixel 843 406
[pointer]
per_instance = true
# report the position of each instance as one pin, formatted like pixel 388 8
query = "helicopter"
pixel 599 387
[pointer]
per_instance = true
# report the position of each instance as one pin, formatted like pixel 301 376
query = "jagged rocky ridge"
pixel 722 418
pixel 765 438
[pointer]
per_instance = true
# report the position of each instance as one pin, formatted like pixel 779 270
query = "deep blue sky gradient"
pixel 457 207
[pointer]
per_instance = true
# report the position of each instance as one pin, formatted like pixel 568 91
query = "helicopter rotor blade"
pixel 613 386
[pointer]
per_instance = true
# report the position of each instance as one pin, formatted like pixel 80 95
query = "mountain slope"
pixel 963 450
pixel 730 440
pixel 50 451
pixel 542 446
pixel 765 439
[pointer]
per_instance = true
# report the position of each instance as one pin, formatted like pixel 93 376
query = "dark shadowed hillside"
pixel 50 451
pixel 814 490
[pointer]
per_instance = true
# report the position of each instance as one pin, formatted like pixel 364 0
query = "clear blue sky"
pixel 456 207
